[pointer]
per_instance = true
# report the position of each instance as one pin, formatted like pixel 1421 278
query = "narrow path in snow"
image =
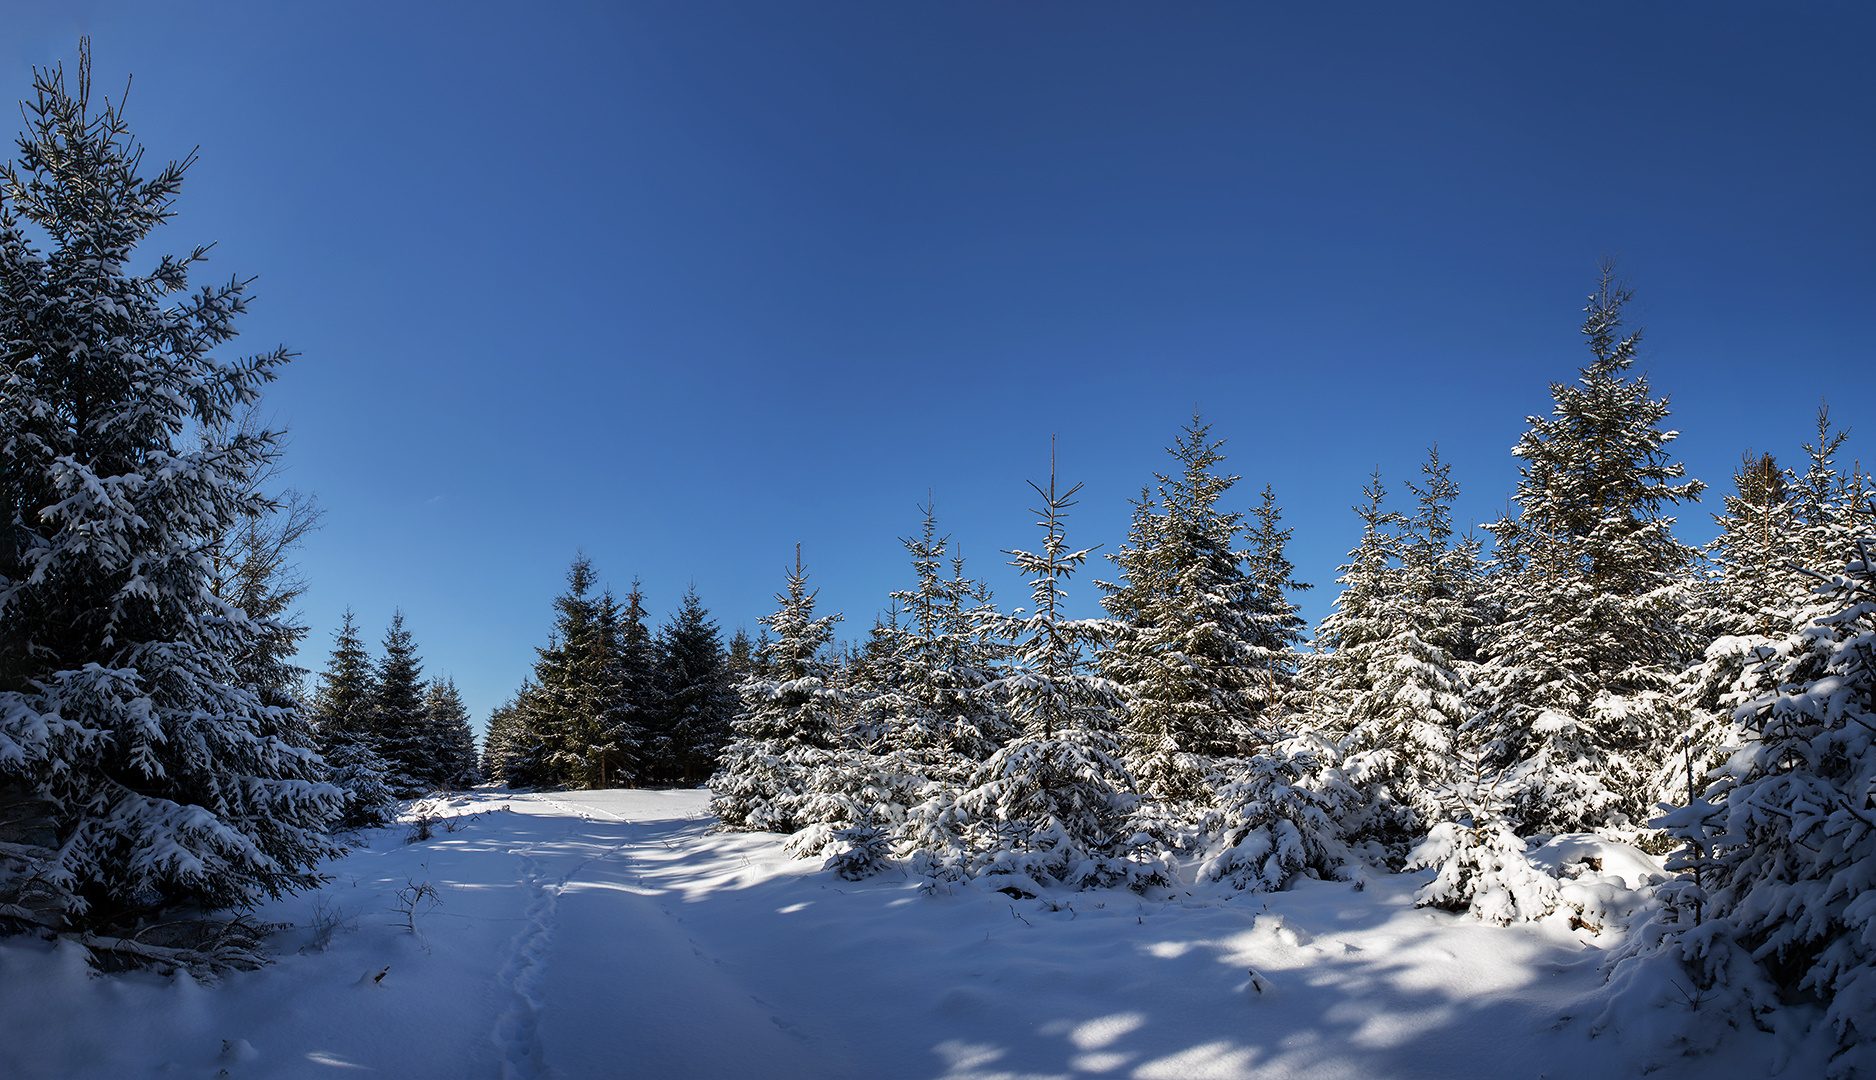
pixel 643 989
pixel 517 1030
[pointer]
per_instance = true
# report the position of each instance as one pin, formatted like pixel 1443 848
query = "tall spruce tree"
pixel 128 736
pixel 942 715
pixel 575 704
pixel 341 718
pixel 1577 691
pixel 789 725
pixel 452 753
pixel 579 721
pixel 1276 638
pixel 1352 639
pixel 697 701
pixel 639 702
pixel 1783 841
pixel 1192 648
pixel 399 727
pixel 1051 802
pixel 1773 527
pixel 342 704
pixel 513 753
pixel 1828 502
pixel 1401 662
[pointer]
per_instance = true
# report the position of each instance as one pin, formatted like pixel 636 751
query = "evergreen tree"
pixel 513 753
pixel 1759 585
pixel 342 705
pixel 943 660
pixel 790 720
pixel 871 682
pixel 1399 672
pixel 1772 528
pixel 741 659
pixel 576 702
pixel 580 721
pixel 364 778
pixel 341 718
pixel 1782 842
pixel 697 700
pixel 452 746
pixel 1748 600
pixel 639 702
pixel 1578 690
pixel 1051 802
pixel 399 727
pixel 1276 626
pixel 1353 638
pixel 126 726
pixel 1435 644
pixel 1194 649
pixel 1827 502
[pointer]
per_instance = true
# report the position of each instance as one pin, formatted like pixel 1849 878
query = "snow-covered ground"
pixel 613 934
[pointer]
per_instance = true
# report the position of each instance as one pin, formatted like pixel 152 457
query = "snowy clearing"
pixel 612 933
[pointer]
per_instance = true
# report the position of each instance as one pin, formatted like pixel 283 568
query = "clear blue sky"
pixel 685 283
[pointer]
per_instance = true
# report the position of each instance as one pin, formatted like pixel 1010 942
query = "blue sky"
pixel 684 284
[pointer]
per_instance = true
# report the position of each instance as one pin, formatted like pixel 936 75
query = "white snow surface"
pixel 615 934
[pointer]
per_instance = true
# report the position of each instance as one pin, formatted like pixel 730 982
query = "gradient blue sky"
pixel 683 284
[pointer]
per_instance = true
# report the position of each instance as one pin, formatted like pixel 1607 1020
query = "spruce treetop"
pixel 795 652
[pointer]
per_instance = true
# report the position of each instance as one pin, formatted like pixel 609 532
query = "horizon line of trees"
pixel 612 704
pixel 385 732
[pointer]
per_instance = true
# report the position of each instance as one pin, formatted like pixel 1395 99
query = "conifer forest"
pixel 1567 745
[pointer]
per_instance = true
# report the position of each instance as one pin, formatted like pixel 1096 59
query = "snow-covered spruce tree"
pixel 1745 603
pixel 1481 859
pixel 790 721
pixel 1052 802
pixel 1277 810
pixel 1351 639
pixel 1784 838
pixel 870 677
pixel 639 702
pixel 341 706
pixel 364 778
pixel 126 731
pixel 453 764
pixel 1435 645
pixel 513 753
pixel 1352 707
pixel 1577 692
pixel 945 658
pixel 1772 527
pixel 696 699
pixel 1758 552
pixel 613 752
pixel 1276 644
pixel 1829 503
pixel 919 719
pixel 399 727
pixel 341 718
pixel 1191 651
pixel 1399 662
pixel 576 703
